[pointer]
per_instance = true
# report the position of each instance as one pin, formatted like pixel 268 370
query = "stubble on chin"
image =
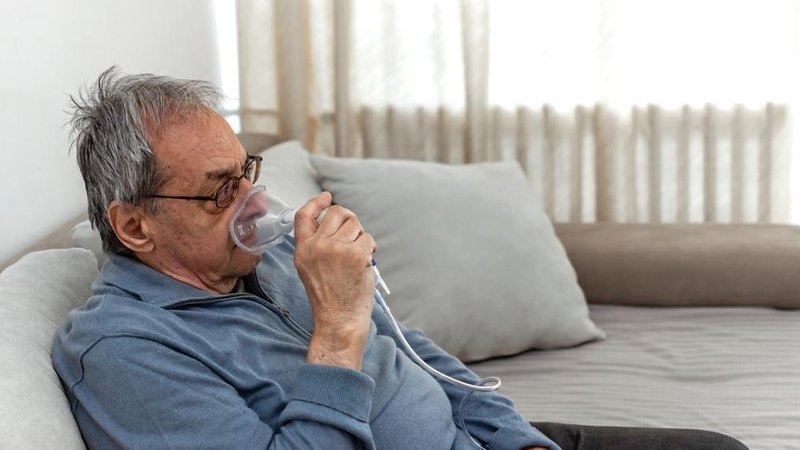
pixel 246 263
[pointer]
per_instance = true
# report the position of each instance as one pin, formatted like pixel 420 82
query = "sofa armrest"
pixel 686 265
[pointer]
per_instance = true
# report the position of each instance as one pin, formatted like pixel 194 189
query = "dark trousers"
pixel 585 437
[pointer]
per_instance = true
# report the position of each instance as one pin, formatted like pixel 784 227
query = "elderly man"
pixel 189 341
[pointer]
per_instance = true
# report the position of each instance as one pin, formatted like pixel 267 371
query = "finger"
pixel 305 220
pixel 350 230
pixel 367 243
pixel 334 218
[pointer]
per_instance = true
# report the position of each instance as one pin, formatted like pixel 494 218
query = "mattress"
pixel 734 370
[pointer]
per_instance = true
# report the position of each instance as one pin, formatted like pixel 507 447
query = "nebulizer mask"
pixel 262 220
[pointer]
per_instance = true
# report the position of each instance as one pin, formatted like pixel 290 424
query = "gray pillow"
pixel 287 172
pixel 36 293
pixel 84 236
pixel 470 256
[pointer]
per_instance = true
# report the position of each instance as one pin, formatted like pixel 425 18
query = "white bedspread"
pixel 731 370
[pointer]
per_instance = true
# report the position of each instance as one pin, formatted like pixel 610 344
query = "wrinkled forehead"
pixel 198 148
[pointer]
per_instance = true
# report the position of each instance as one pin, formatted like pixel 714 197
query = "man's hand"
pixel 334 259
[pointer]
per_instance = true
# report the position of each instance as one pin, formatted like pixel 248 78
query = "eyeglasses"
pixel 225 194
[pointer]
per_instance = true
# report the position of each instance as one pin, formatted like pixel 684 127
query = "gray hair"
pixel 114 123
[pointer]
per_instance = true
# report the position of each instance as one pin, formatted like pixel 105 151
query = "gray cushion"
pixel 36 293
pixel 286 172
pixel 686 265
pixel 84 236
pixel 470 256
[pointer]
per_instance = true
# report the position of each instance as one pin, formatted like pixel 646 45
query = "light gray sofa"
pixel 701 326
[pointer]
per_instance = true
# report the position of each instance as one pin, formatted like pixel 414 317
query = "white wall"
pixel 48 48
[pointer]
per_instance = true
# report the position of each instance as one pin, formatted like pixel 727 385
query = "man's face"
pixel 191 237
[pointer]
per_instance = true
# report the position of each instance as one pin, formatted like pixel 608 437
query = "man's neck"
pixel 214 284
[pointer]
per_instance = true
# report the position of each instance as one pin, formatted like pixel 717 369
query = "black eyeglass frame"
pixel 235 180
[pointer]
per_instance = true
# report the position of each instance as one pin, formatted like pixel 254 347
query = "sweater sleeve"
pixel 490 417
pixel 137 393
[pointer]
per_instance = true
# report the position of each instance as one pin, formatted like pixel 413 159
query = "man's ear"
pixel 131 227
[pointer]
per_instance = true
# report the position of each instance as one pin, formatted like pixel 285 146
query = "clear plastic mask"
pixel 261 221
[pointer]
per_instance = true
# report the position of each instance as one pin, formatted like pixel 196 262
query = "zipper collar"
pixel 146 284
pixel 274 277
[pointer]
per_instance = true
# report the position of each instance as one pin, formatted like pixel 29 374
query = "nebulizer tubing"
pixel 261 220
pixel 483 386
pixel 488 384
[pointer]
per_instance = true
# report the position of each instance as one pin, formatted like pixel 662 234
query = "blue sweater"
pixel 151 362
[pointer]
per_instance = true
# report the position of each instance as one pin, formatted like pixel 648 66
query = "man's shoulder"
pixel 131 299
pixel 105 316
pixel 108 313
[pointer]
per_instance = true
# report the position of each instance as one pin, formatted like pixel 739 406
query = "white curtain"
pixel 626 111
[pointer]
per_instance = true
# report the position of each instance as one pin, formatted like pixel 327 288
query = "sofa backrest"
pixel 36 294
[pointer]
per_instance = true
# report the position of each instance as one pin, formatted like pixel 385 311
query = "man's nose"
pixel 256 206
